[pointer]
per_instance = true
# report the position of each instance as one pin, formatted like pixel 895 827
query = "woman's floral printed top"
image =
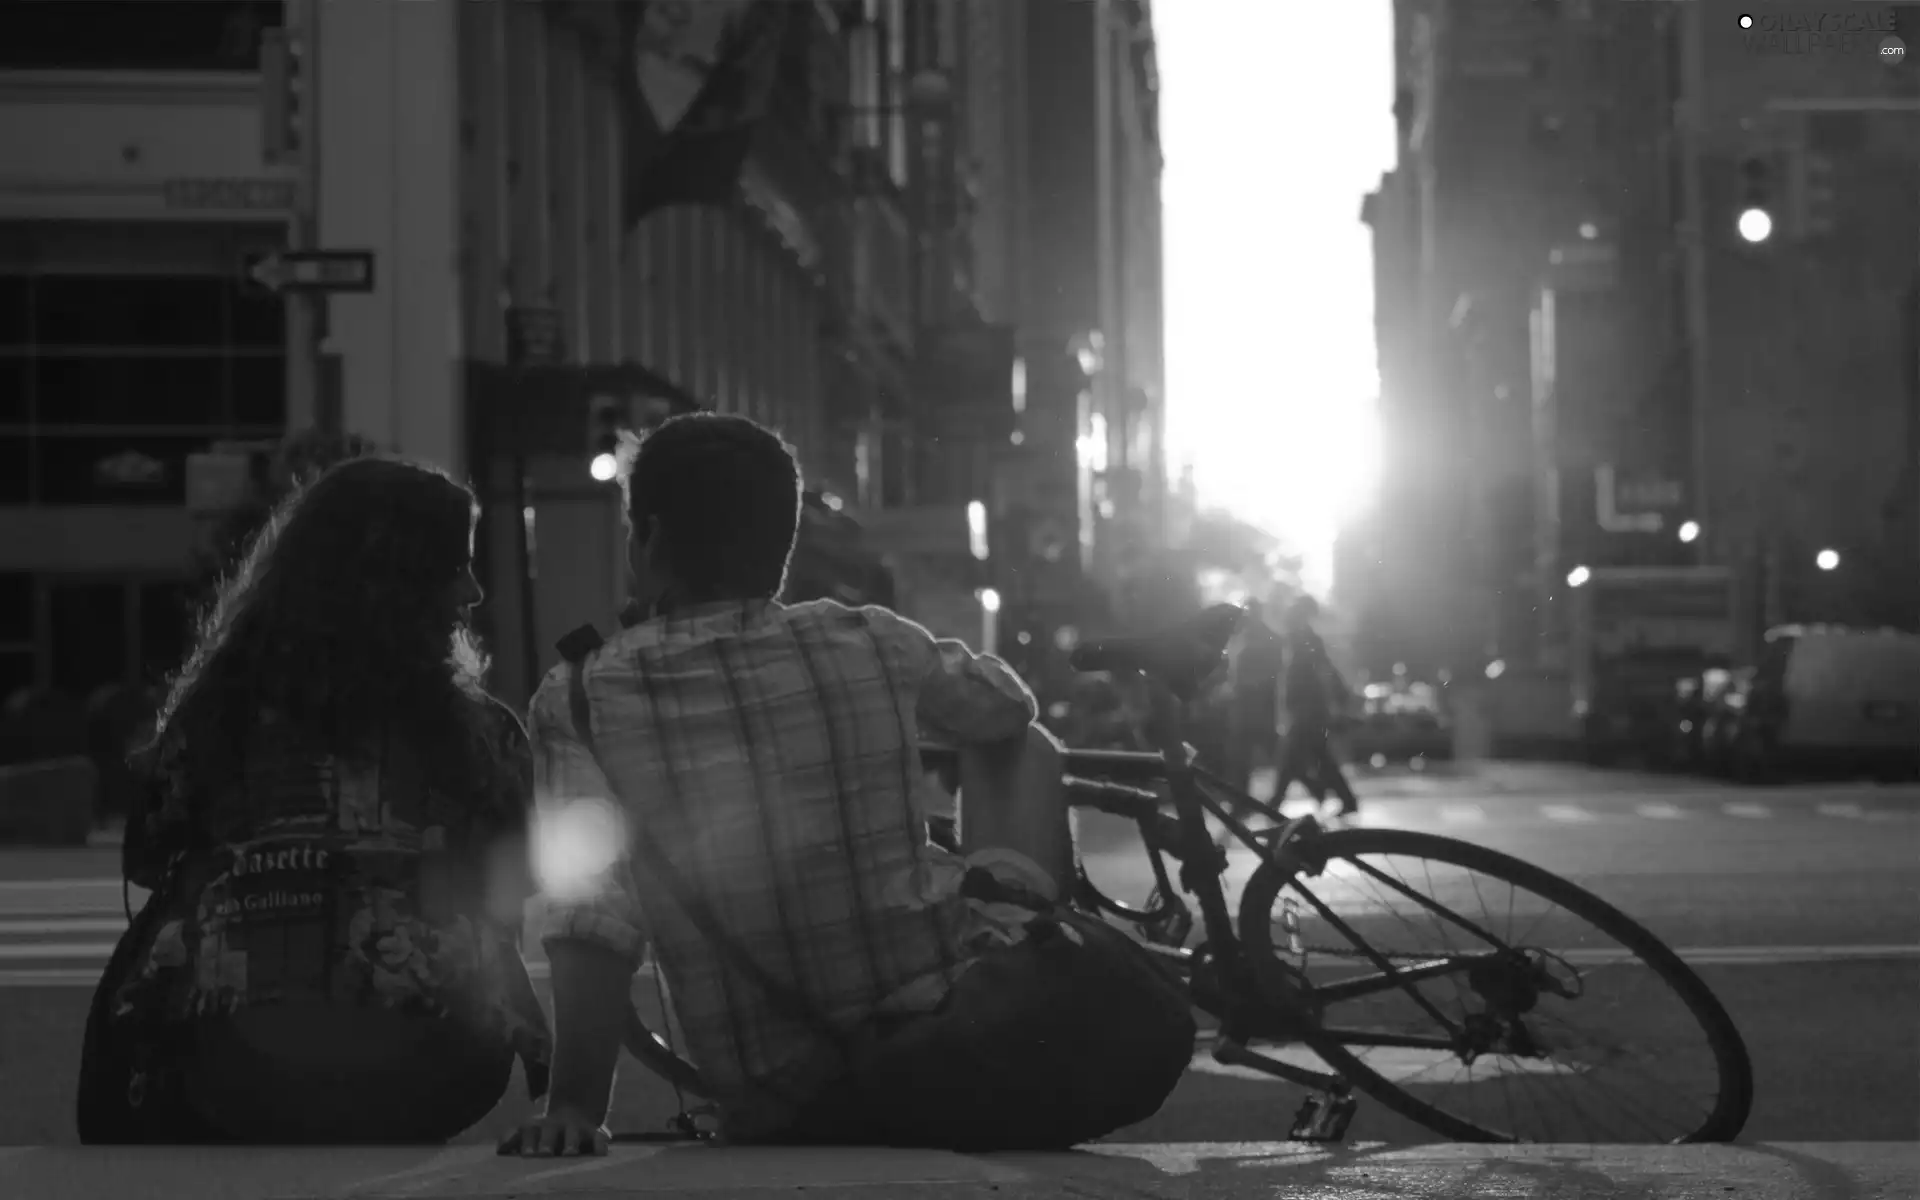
pixel 360 884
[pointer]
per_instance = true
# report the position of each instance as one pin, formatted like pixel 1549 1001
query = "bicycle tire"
pixel 1735 1098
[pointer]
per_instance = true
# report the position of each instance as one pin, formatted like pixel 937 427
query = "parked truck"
pixel 1636 631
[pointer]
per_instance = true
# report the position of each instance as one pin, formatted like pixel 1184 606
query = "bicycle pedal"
pixel 1323 1118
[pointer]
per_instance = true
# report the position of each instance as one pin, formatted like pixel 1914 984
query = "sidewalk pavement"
pixel 1219 1171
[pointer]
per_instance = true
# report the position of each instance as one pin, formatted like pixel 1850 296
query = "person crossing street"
pixel 1314 692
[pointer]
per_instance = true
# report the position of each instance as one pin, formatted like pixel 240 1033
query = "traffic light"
pixel 283 99
pixel 1816 194
pixel 1757 207
pixel 606 422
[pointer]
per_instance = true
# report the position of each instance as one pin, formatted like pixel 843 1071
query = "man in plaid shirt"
pixel 771 751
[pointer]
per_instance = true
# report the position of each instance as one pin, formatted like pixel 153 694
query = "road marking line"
pixel 14 977
pixel 1751 955
pixel 45 951
pixel 1462 814
pixel 55 977
pixel 1840 810
pixel 1566 812
pixel 64 885
pixel 1661 812
pixel 73 925
pixel 1752 812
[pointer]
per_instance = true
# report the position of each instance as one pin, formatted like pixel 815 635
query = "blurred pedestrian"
pixel 1253 673
pixel 1314 694
pixel 335 844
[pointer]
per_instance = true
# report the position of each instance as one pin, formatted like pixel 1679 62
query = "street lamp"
pixel 989 621
pixel 1689 531
pixel 977 529
pixel 1578 577
pixel 1827 560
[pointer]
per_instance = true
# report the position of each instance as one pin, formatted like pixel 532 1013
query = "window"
pixel 896 90
pixel 135 35
pixel 16 672
pixel 112 371
pixel 88 635
pixel 1836 132
pixel 866 69
pixel 16 609
pixel 166 619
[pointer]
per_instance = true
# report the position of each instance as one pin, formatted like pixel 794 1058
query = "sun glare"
pixel 1271 366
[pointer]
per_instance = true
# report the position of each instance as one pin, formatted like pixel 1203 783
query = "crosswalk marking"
pixel 44 926
pixel 1661 812
pixel 54 951
pixel 1840 810
pixel 1571 813
pixel 1462 814
pixel 1751 812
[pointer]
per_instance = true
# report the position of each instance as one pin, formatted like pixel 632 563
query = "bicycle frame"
pixel 1196 795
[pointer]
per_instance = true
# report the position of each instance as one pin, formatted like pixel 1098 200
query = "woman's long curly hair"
pixel 343 619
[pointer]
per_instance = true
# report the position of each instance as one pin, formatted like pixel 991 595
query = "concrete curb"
pixel 1816 1171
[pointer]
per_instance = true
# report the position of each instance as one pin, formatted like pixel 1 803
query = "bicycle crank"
pixel 1323 1117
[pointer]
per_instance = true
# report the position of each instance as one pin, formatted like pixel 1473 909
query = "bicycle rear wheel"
pixel 1505 996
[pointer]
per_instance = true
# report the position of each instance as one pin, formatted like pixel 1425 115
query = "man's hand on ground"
pixel 559 1133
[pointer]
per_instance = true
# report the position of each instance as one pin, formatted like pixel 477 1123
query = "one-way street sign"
pixel 311 270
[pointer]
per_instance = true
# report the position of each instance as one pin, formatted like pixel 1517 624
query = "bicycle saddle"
pixel 1179 657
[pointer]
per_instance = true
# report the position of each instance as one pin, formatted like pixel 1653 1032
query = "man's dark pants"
pixel 1308 757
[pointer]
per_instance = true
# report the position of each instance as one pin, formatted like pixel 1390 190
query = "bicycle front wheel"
pixel 1483 1034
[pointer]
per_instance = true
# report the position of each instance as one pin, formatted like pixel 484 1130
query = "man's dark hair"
pixel 726 494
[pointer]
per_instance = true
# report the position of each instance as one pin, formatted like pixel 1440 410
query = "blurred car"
pixel 1399 725
pixel 1822 699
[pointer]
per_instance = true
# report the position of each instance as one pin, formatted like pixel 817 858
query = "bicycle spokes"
pixel 1482 1000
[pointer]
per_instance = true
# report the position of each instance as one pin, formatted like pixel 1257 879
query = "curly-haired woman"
pixel 337 848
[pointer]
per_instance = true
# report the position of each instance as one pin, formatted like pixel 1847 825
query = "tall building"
pixel 1807 399
pixel 1593 357
pixel 1461 227
pixel 1095 421
pixel 127 338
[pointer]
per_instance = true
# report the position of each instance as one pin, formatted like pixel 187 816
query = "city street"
pixel 1799 906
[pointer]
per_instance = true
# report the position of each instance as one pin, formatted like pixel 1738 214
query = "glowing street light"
pixel 1827 560
pixel 1755 225
pixel 604 467
pixel 989 620
pixel 1689 531
pixel 1578 577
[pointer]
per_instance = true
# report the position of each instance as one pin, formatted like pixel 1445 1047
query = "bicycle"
pixel 1260 987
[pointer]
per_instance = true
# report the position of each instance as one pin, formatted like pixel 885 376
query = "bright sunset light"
pixel 1275 127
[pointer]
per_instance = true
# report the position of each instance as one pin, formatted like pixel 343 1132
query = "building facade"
pixel 1095 421
pixel 478 154
pixel 1808 406
pixel 1592 359
pixel 870 288
pixel 127 339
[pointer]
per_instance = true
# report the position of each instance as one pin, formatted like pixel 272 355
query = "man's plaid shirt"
pixel 772 752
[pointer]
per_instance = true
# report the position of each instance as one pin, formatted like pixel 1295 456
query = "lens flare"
pixel 574 844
